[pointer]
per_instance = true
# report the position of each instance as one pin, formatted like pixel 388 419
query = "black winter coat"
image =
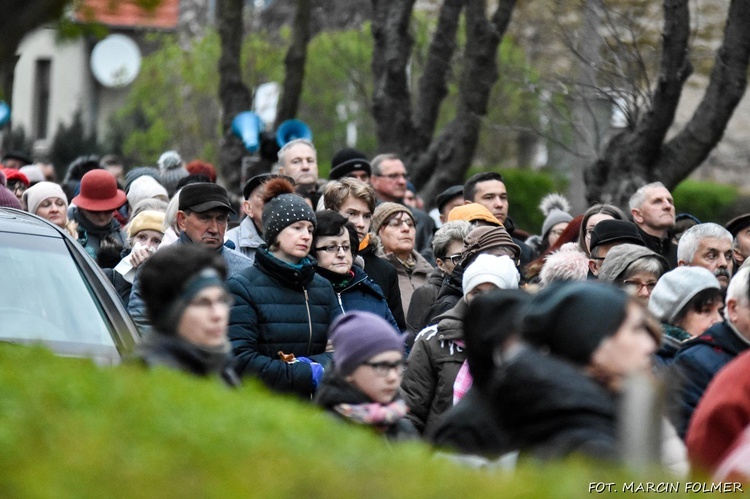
pixel 469 428
pixel 552 410
pixel 281 308
pixel 359 292
pixel 161 350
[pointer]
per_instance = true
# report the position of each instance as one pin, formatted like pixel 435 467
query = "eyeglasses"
pixel 207 303
pixel 395 176
pixel 454 258
pixel 637 286
pixel 334 248
pixel 383 368
pixel 16 186
pixel 396 223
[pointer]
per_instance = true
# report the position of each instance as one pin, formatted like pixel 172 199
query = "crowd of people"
pixel 452 326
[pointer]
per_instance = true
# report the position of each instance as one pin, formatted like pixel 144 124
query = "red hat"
pixel 99 192
pixel 13 174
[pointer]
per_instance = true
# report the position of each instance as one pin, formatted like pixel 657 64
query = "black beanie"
pixel 572 318
pixel 347 160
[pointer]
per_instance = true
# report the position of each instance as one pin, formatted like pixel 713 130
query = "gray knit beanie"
pixel 359 336
pixel 172 170
pixel 676 288
pixel 555 208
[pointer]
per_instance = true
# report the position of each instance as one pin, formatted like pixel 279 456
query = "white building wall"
pixel 71 84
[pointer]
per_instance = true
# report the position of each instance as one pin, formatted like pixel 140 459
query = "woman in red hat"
pixel 98 231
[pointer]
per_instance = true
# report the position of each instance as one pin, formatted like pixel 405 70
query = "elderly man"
pixel 299 160
pixel 709 246
pixel 202 216
pixel 701 358
pixel 488 189
pixel 739 227
pixel 652 208
pixel 389 179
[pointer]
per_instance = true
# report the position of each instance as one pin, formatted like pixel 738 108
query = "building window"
pixel 41 97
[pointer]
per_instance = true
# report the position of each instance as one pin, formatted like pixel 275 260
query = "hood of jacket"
pixel 451 323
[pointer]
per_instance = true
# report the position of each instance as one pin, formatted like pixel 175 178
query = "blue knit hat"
pixel 359 336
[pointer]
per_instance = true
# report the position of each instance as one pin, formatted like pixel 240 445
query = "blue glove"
pixel 317 370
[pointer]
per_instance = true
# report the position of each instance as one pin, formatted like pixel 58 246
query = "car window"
pixel 44 296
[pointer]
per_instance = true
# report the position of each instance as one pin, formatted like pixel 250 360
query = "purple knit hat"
pixel 359 336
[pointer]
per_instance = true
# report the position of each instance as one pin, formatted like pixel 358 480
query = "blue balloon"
pixel 4 113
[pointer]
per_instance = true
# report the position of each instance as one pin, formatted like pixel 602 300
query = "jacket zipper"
pixel 341 304
pixel 309 321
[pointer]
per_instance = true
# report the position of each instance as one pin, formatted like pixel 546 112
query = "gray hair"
pixel 651 265
pixel 738 288
pixel 691 239
pixel 456 230
pixel 170 216
pixel 637 199
pixel 377 160
pixel 282 152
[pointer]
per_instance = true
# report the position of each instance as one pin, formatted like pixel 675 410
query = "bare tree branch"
pixel 726 87
pixel 294 63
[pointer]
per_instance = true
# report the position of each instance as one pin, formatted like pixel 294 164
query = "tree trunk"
pixel 391 100
pixel 233 93
pixel 294 63
pixel 448 158
pixel 639 155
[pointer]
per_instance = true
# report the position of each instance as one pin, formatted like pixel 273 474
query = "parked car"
pixel 52 292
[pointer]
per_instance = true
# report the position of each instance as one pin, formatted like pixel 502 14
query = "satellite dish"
pixel 115 61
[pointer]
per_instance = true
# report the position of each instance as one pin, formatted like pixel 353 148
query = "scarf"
pixel 338 281
pixel 373 414
pixel 365 242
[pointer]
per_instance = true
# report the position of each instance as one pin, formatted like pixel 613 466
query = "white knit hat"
pixel 676 288
pixel 498 270
pixel 34 195
pixel 145 187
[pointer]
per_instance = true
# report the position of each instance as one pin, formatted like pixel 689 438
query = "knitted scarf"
pixel 373 414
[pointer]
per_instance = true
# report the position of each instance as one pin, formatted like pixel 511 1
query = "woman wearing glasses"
pixel 335 245
pixel 396 229
pixel 634 268
pixel 362 385
pixel 446 246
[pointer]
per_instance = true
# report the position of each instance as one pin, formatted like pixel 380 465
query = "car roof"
pixel 13 220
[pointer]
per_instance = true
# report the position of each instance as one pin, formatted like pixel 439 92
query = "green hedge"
pixel 707 201
pixel 71 429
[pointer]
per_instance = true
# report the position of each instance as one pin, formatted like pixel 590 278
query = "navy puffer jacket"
pixel 281 308
pixel 359 292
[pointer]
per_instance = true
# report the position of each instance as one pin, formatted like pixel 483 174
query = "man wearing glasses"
pixel 389 179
